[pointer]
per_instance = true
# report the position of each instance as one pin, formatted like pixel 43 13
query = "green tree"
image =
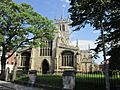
pixel 102 15
pixel 115 58
pixel 20 25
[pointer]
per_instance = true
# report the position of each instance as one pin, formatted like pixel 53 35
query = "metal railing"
pixel 96 80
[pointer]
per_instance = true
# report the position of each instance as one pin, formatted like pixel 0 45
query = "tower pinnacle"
pixel 77 43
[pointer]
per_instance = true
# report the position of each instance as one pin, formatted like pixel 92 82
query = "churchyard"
pixel 83 81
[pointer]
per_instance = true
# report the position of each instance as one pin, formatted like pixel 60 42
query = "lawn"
pixel 83 81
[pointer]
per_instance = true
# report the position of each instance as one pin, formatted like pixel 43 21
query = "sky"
pixel 55 9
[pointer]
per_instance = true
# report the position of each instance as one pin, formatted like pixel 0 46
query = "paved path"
pixel 4 88
pixel 12 86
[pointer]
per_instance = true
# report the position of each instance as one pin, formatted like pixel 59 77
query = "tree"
pixel 20 25
pixel 115 59
pixel 103 15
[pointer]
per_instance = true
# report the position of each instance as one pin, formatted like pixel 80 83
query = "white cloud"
pixel 96 31
pixel 66 1
pixel 63 5
pixel 84 44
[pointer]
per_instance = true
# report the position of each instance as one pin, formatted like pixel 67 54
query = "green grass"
pixel 89 82
pixel 49 80
pixel 83 81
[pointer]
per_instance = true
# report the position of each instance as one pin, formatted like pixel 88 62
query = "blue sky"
pixel 54 9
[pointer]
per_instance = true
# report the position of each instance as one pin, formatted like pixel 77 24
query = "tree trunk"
pixel 107 82
pixel 3 62
pixel 3 65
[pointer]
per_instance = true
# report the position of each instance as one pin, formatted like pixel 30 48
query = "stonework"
pixel 58 55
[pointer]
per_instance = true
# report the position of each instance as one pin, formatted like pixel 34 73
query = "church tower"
pixel 63 34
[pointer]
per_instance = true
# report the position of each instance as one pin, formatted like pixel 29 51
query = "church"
pixel 57 55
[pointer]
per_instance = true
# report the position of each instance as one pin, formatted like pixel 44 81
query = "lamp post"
pixel 106 64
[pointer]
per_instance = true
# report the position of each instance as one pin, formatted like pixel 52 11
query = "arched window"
pixel 67 58
pixel 63 27
pixel 47 49
pixel 60 28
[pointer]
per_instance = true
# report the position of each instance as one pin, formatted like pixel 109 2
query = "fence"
pixel 96 81
pixel 84 81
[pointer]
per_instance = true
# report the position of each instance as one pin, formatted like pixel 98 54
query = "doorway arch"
pixel 45 66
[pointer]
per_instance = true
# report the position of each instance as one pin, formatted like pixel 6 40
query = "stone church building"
pixel 57 55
